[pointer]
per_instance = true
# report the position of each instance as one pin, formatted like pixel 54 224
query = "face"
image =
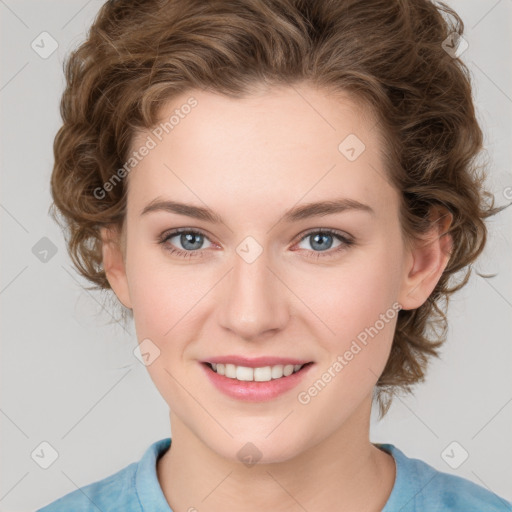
pixel 320 286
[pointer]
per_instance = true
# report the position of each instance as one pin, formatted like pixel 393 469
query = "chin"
pixel 253 450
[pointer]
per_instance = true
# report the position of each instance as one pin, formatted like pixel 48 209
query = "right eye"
pixel 191 240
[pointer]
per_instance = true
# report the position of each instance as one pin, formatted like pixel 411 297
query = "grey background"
pixel 70 378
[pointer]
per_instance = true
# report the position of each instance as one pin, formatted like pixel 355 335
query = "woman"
pixel 278 192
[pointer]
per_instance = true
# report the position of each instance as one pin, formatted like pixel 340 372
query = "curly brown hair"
pixel 388 54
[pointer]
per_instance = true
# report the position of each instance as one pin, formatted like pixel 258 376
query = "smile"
pixel 262 374
pixel 258 384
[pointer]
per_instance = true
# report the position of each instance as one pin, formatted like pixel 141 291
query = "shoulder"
pixel 420 487
pixel 119 491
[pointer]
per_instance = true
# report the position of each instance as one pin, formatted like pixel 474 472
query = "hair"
pixel 387 55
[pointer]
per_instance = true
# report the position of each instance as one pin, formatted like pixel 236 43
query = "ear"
pixel 426 261
pixel 113 250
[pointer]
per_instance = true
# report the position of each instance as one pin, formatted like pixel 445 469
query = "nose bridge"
pixel 253 301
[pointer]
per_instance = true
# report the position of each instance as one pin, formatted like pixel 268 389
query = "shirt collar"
pixel 147 486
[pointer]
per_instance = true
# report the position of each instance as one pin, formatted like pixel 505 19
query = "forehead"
pixel 277 144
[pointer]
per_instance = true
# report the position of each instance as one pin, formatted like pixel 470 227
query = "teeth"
pixel 241 372
pixel 230 371
pixel 262 374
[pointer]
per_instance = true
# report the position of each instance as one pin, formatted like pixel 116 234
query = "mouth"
pixel 255 383
pixel 255 374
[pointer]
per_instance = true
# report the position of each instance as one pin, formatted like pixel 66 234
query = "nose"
pixel 253 301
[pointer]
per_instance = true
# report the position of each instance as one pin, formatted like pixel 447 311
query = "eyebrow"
pixel 295 214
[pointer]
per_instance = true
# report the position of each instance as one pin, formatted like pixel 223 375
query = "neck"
pixel 342 472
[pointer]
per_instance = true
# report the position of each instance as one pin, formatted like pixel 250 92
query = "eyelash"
pixel 346 243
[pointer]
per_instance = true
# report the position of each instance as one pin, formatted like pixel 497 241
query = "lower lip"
pixel 251 391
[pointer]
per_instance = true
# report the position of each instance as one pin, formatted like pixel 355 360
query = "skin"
pixel 250 160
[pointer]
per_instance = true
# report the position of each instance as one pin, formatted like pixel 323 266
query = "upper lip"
pixel 256 362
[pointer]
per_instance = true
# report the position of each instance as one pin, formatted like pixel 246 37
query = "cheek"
pixel 358 304
pixel 354 295
pixel 155 294
pixel 165 299
pixel 171 304
pixel 361 314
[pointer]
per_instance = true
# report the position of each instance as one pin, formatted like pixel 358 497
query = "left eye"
pixel 320 240
pixel 192 241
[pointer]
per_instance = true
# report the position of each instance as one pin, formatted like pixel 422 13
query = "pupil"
pixel 186 238
pixel 320 236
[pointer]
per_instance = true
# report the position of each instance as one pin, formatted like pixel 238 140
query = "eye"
pixel 190 240
pixel 322 240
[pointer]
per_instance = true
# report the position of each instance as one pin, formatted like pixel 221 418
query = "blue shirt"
pixel 418 488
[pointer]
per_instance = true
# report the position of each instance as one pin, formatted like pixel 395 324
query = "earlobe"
pixel 427 261
pixel 114 264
